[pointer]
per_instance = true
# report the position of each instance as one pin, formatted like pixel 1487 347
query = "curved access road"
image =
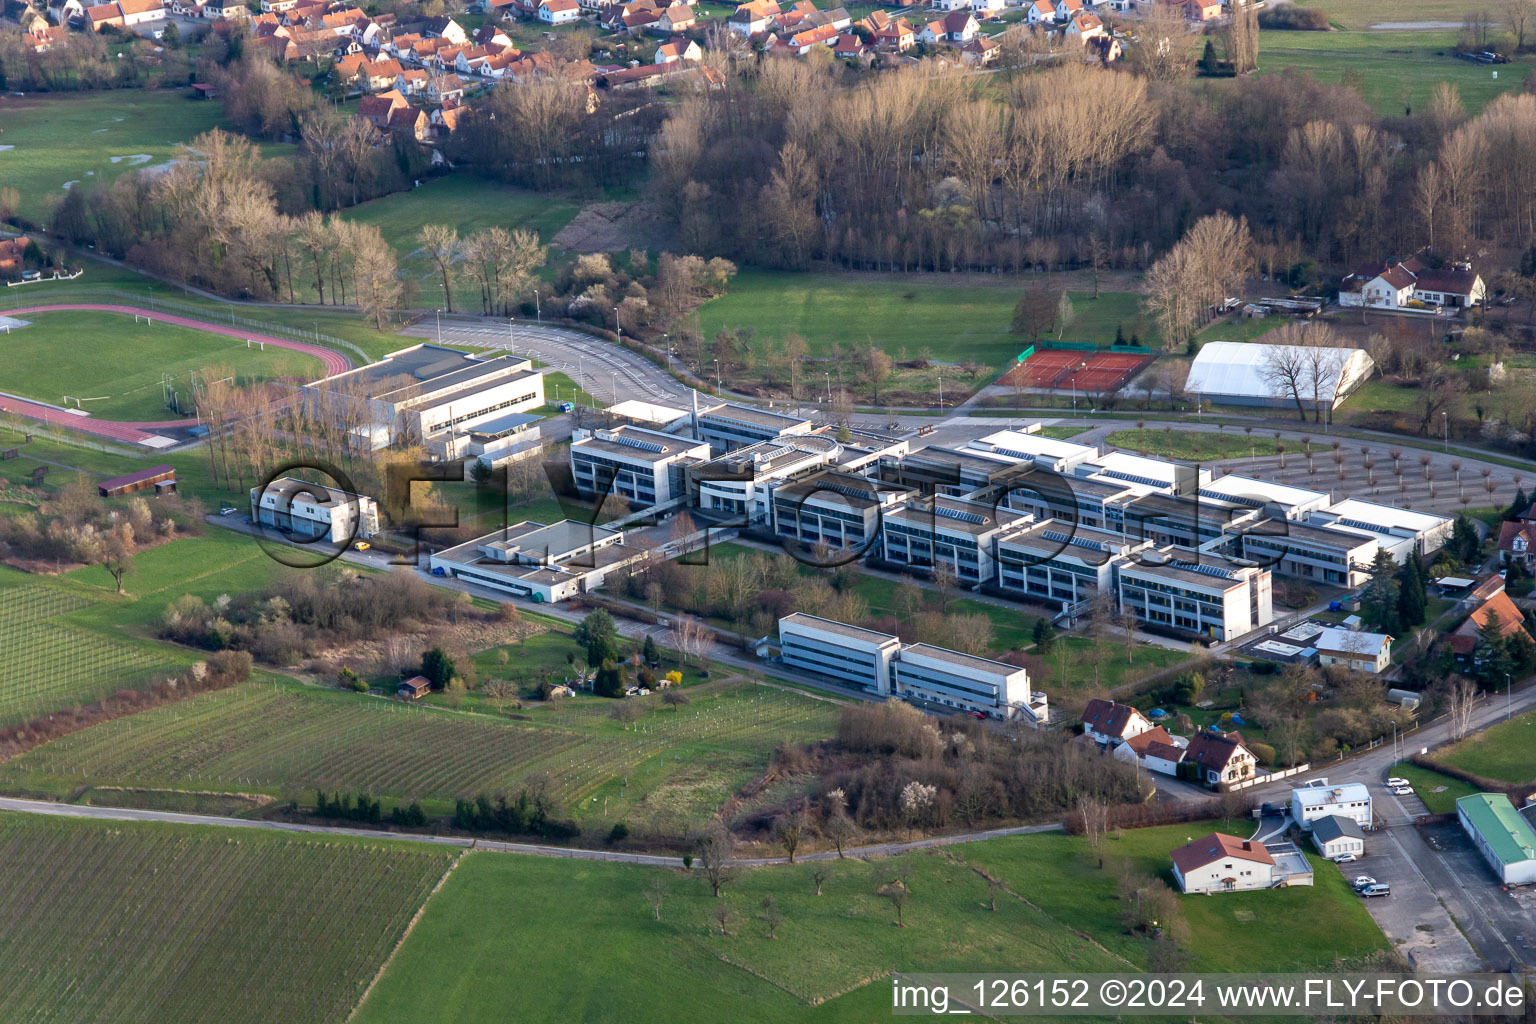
pixel 534 849
pixel 142 433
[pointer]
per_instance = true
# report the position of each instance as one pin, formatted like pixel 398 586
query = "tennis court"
pixel 1083 371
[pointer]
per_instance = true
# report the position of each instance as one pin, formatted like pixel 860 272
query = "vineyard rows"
pixel 260 737
pixel 257 737
pixel 45 667
pixel 162 924
pixel 28 604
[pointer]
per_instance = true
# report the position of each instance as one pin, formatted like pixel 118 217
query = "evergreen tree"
pixel 1412 593
pixel 1517 507
pixel 1044 636
pixel 597 633
pixel 1491 660
pixel 609 681
pixel 1464 543
pixel 1379 600
pixel 649 651
pixel 438 667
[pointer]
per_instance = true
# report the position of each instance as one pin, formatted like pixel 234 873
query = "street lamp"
pixel 439 314
pixel 667 338
pixel 511 342
pixel 717 375
pixel 1508 697
pixel 829 387
pixel 618 328
pixel 1446 423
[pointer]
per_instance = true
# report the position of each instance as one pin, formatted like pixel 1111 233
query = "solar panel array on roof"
pixel 1203 569
pixel 955 513
pixel 635 442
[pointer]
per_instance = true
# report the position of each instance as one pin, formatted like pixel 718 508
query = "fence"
pixel 213 313
pixel 1260 780
pixel 1070 346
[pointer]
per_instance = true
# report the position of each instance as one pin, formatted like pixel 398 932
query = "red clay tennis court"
pixel 1085 371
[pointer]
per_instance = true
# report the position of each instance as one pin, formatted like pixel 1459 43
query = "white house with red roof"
pixel 559 12
pixel 1110 723
pixel 1041 12
pixel 1222 863
pixel 678 49
pixel 1156 750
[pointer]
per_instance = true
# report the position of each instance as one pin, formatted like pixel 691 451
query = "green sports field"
pixel 950 320
pixel 113 364
pixel 1400 68
pixel 47 140
pixel 126 921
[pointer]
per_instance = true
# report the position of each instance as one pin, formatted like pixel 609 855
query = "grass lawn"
pixel 1439 792
pixel 1321 923
pixel 1360 14
pixel 136 921
pixel 1506 751
pixel 953 321
pixel 1400 69
pixel 466 203
pixel 1192 444
pixel 1077 661
pixel 114 365
pixel 73 137
pixel 834 947
pixel 1059 912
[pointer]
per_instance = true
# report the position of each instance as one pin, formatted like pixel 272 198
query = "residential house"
pixel 409 122
pixel 1517 542
pixel 986 9
pixel 64 12
pixel 980 51
pixel 1355 649
pixel 444 88
pixel 895 37
pixel 379 74
pixel 802 42
pixel 446 120
pixel 348 69
pixel 1222 863
pixel 753 17
pixel 1336 836
pixel 674 20
pixel 411 81
pixel 377 110
pixel 1202 11
pixel 1041 12
pixel 1110 723
pixel 559 12
pixel 1084 27
pixel 1106 48
pixel 1410 283
pixel 849 47
pixel 678 49
pixel 490 35
pixel 960 27
pixel 1066 10
pixel 945 6
pixel 1156 750
pixel 1498 608
pixel 932 32
pixel 102 16
pixel 1222 758
pixel 441 27
pixel 226 10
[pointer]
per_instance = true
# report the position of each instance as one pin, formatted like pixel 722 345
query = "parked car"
pixel 227 510
pixel 1402 791
pixel 362 545
pixel 1346 858
pixel 438 570
pixel 1361 881
pixel 978 714
pixel 1379 889
pixel 1395 781
pixel 31 275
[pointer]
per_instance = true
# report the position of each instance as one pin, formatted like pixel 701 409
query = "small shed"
pixel 1335 836
pixel 415 688
pixel 143 480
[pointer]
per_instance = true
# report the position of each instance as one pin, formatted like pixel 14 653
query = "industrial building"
pixel 1501 835
pixel 314 512
pixel 645 466
pixel 1244 373
pixel 1317 799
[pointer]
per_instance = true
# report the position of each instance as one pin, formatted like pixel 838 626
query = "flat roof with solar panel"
pixel 955 514
pixel 638 444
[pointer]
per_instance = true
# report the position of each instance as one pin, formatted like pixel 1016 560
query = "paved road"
pixel 608 372
pixel 531 849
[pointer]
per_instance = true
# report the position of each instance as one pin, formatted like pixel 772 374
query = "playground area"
pixel 1075 369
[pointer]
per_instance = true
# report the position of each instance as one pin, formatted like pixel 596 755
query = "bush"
pixel 618 833
pixel 1291 18
pixel 1263 751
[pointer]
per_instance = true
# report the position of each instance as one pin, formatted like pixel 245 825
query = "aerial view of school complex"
pixel 825 511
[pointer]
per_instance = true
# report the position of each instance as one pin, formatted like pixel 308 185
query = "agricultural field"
pixel 1400 69
pixel 1057 912
pixel 948 321
pixel 1503 752
pixel 91 138
pixel 137 922
pixel 112 365
pixel 46 664
pixel 669 768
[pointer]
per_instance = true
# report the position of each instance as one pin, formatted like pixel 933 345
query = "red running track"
pixel 138 433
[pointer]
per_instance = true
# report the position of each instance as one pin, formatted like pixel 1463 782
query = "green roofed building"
pixel 1501 834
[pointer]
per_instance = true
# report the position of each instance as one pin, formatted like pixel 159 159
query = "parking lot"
pixel 1501 922
pixel 1413 918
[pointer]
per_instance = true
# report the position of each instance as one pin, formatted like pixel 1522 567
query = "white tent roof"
pixel 1237 368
